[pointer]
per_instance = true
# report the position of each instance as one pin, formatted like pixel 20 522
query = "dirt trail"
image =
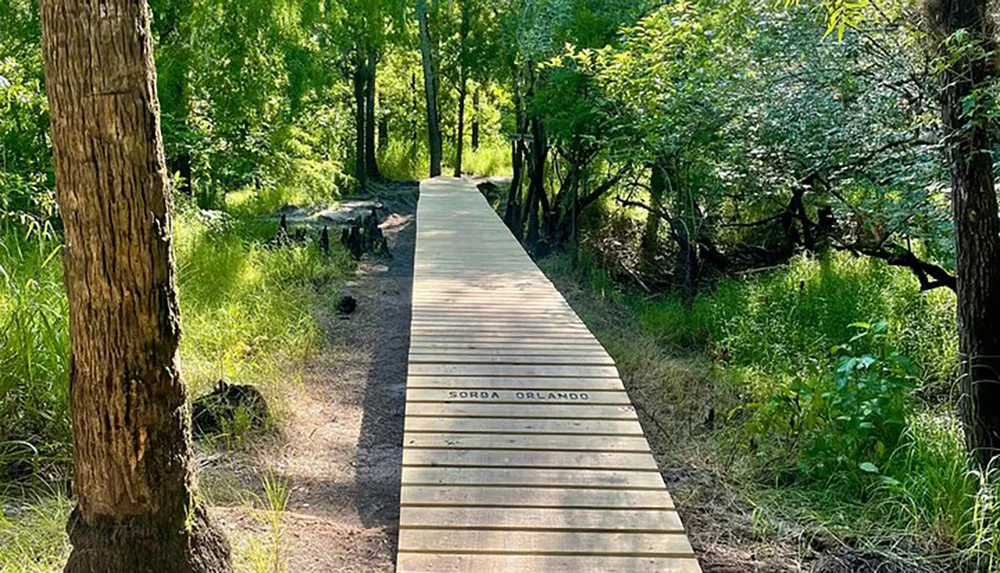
pixel 341 444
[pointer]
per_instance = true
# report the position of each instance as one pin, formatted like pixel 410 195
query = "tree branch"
pixel 931 276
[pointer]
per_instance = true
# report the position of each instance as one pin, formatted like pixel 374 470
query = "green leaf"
pixel 868 467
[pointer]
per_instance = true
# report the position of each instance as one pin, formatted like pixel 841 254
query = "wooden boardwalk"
pixel 521 451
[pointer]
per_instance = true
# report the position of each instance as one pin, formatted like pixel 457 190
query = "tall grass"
pixel 248 308
pixel 265 554
pixel 34 350
pixel 32 533
pixel 786 322
pixel 402 161
pixel 399 161
pixel 489 160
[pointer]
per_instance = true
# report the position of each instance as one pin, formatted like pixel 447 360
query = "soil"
pixel 340 438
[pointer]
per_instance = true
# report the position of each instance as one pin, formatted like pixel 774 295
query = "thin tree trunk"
pixel 383 128
pixel 463 87
pixel 136 493
pixel 976 219
pixel 475 119
pixel 650 246
pixel 460 133
pixel 430 89
pixel 511 214
pixel 536 186
pixel 414 123
pixel 371 162
pixel 360 115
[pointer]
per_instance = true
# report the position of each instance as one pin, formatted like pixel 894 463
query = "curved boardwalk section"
pixel 522 451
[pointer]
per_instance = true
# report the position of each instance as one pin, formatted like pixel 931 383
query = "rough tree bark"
pixel 371 162
pixel 137 508
pixel 974 211
pixel 360 116
pixel 430 89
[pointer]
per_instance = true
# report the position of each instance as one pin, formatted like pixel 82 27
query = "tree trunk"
pixel 475 119
pixel 463 86
pixel 360 115
pixel 976 219
pixel 460 132
pixel 650 246
pixel 512 213
pixel 536 185
pixel 383 128
pixel 371 163
pixel 430 89
pixel 136 492
pixel 414 123
pixel 687 264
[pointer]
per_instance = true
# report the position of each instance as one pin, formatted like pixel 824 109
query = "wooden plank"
pixel 513 345
pixel 410 562
pixel 423 350
pixel 541 519
pixel 541 411
pixel 492 330
pixel 524 426
pixel 545 542
pixel 507 340
pixel 587 479
pixel 452 457
pixel 505 370
pixel 539 359
pixel 636 444
pixel 498 382
pixel 472 496
pixel 486 395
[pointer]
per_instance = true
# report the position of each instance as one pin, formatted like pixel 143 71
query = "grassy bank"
pixel 249 315
pixel 821 391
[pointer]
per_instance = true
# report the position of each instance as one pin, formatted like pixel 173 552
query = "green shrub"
pixel 785 322
pixel 844 426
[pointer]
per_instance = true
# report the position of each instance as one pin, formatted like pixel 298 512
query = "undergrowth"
pixel 249 314
pixel 822 392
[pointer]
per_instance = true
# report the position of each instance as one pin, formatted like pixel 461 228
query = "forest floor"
pixel 337 453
